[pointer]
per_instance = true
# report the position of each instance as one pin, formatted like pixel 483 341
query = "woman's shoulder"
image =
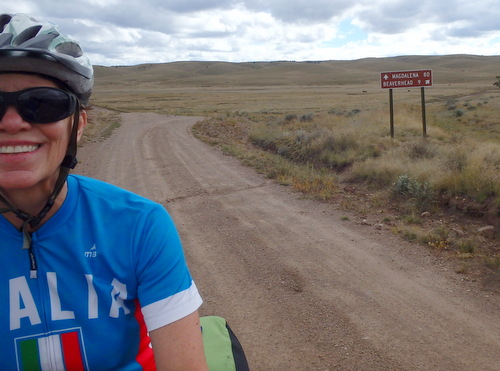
pixel 92 185
pixel 98 190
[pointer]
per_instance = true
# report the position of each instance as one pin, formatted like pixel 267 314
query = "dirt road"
pixel 302 288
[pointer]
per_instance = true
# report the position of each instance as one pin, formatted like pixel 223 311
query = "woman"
pixel 88 269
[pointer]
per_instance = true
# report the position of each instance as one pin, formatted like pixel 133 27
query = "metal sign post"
pixel 407 80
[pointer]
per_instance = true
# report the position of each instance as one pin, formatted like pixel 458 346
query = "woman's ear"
pixel 82 122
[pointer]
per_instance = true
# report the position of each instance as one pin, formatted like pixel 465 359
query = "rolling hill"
pixel 448 69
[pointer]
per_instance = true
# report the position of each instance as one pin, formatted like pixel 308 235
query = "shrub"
pixel 409 234
pixel 421 194
pixel 437 238
pixel 421 149
pixel 467 246
pixel 307 118
pixel 403 185
pixel 381 173
pixel 451 105
pixel 471 171
pixel 456 159
pixel 354 112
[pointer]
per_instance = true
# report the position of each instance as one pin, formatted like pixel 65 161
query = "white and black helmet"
pixel 28 45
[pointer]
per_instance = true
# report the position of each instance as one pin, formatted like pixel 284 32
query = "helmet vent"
pixel 26 35
pixel 4 19
pixel 70 49
pixel 5 39
pixel 40 42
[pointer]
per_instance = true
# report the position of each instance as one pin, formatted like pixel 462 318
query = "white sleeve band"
pixel 171 309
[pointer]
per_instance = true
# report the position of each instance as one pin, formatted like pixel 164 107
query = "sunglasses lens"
pixel 45 105
pixel 3 106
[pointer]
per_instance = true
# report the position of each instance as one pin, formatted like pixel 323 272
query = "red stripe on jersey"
pixel 145 356
pixel 72 351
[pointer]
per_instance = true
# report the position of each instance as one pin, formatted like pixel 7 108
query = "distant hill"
pixel 447 69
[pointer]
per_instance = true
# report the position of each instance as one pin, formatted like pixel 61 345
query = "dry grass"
pixel 100 125
pixel 323 128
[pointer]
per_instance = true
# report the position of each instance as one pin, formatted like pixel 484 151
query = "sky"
pixel 131 32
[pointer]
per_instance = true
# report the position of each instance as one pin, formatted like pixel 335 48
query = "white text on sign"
pixel 406 79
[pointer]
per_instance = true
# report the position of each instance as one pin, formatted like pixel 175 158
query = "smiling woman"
pixel 60 233
pixel 32 153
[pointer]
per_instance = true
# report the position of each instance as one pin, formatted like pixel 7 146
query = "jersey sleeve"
pixel 165 289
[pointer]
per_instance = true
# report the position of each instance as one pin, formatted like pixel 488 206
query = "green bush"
pixel 421 194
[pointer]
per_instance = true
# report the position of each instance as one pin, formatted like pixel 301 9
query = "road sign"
pixel 406 79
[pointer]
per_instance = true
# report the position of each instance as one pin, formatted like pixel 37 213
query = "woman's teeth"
pixel 18 149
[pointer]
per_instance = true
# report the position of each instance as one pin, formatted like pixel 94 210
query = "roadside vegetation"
pixel 417 187
pixel 101 124
pixel 323 129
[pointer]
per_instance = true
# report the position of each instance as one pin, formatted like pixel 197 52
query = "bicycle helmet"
pixel 30 46
pixel 27 45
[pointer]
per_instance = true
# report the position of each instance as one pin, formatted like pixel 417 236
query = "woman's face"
pixel 30 154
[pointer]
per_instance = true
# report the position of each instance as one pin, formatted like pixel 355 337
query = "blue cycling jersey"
pixel 110 267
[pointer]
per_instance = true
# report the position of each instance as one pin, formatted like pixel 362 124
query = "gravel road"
pixel 302 288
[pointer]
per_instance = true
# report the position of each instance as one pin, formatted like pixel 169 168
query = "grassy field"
pixel 282 87
pixel 323 128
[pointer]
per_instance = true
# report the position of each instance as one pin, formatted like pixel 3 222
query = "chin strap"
pixel 67 164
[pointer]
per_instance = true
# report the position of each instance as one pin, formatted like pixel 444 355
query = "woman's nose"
pixel 12 122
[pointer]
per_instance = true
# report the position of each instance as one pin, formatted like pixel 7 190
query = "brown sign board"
pixel 406 79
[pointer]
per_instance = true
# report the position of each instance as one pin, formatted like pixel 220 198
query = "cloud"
pixel 147 31
pixel 301 11
pixel 192 5
pixel 457 17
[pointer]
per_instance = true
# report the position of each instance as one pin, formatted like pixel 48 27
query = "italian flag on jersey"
pixel 58 351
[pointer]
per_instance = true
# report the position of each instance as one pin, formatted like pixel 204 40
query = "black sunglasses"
pixel 41 105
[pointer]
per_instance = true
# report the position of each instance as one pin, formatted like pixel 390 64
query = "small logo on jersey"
pixel 92 253
pixel 62 350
